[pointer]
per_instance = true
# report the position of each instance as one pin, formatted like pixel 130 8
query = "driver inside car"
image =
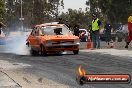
pixel 58 31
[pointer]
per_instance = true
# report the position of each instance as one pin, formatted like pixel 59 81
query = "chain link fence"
pixel 104 45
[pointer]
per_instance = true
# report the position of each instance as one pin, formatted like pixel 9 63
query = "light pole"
pixel 47 1
pixel 21 18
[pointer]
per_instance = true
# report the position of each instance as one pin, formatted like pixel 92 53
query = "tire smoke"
pixel 16 43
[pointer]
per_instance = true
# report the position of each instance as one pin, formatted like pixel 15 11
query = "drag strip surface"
pixel 60 71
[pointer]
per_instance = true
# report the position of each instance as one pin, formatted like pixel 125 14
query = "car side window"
pixel 37 30
pixel 33 33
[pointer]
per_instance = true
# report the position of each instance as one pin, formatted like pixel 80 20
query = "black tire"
pixel 82 80
pixel 43 51
pixel 27 44
pixel 75 52
pixel 33 52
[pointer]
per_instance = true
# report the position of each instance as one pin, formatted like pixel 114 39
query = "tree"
pixel 2 10
pixel 12 17
pixel 78 17
pixel 115 10
pixel 56 5
pixel 34 11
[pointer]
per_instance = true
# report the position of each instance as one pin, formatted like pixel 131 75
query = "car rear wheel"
pixel 75 51
pixel 34 52
pixel 43 51
pixel 27 44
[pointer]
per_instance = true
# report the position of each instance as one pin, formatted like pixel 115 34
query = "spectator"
pixel 129 31
pixel 60 21
pixel 67 24
pixel 107 31
pixel 95 31
pixel 76 30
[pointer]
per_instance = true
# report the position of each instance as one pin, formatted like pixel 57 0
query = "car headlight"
pixel 49 43
pixel 77 41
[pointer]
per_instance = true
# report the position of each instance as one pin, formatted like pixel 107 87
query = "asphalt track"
pixel 60 71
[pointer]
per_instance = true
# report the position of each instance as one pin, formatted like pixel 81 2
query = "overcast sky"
pixel 74 4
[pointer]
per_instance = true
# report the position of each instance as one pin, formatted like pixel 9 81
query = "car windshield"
pixel 55 30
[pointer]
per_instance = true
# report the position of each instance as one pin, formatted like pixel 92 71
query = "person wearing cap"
pixel 129 31
pixel 76 30
pixel 67 24
pixel 107 30
pixel 60 21
pixel 95 31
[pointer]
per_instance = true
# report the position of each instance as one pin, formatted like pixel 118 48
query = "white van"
pixel 84 37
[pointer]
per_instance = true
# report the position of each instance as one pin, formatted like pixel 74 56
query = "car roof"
pixel 42 25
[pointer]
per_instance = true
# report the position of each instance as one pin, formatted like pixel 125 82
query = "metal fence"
pixel 104 45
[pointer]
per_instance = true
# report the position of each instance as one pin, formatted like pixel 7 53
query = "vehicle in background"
pixel 52 38
pixel 83 35
pixel 122 33
pixel 118 34
pixel 103 36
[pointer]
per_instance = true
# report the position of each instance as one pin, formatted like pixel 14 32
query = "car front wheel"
pixel 34 52
pixel 43 51
pixel 75 51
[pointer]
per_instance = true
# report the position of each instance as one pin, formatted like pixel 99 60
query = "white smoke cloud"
pixel 16 43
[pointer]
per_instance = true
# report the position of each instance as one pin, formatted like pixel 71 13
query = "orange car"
pixel 46 38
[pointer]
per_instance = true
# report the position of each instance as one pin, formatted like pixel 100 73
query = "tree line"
pixel 41 11
pixel 33 11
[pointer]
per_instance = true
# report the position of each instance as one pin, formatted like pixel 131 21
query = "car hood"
pixel 60 37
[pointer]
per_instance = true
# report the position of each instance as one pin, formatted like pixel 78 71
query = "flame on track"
pixel 81 71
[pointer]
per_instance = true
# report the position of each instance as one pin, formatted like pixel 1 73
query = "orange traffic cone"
pixel 89 44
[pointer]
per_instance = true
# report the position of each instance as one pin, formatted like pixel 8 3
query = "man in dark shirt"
pixel 67 24
pixel 107 28
pixel 60 21
pixel 76 30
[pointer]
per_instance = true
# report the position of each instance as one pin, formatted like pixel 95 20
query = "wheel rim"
pixel 43 51
pixel 75 51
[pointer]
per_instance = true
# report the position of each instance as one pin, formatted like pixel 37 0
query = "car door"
pixel 37 37
pixel 32 37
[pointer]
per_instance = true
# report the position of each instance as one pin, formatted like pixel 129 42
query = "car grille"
pixel 61 47
pixel 60 42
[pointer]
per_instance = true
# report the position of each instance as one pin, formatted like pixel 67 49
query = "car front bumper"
pixel 61 47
